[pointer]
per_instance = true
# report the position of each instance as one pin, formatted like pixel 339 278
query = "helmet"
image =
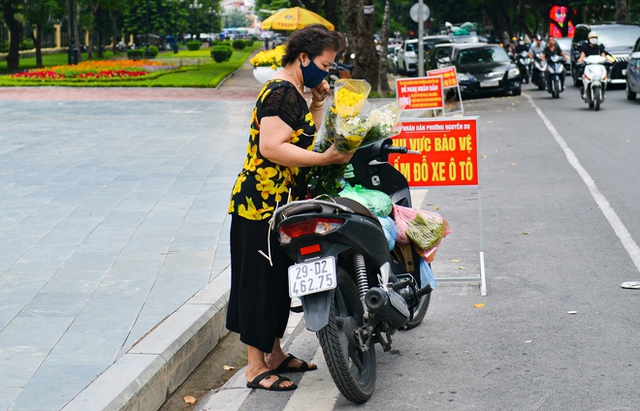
pixel 593 34
pixel 514 39
pixel 538 37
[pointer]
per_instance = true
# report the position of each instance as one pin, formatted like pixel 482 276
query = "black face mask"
pixel 312 75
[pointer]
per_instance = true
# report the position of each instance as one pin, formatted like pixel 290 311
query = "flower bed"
pixel 95 69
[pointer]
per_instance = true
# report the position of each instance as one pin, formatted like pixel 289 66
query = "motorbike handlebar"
pixel 399 150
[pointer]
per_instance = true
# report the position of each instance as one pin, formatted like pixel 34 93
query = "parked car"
pixel 408 53
pixel 278 40
pixel 440 56
pixel 392 60
pixel 618 40
pixel 633 72
pixel 485 69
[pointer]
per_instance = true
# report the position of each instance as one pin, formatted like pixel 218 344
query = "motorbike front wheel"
pixel 353 369
pixel 556 88
pixel 597 98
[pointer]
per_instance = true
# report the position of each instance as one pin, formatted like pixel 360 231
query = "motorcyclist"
pixel 537 46
pixel 519 47
pixel 590 48
pixel 551 49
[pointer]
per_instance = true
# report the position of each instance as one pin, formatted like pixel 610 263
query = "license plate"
pixel 490 83
pixel 312 277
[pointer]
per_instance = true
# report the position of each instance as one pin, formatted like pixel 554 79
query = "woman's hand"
pixel 321 92
pixel 335 156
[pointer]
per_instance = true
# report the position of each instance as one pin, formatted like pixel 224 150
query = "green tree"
pixel 10 11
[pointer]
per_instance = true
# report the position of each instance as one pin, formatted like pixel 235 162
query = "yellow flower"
pixel 252 161
pixel 249 211
pixel 269 58
pixel 265 183
pixel 309 119
pixel 295 136
pixel 238 185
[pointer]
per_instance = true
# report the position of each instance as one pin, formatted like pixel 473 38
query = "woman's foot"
pixel 289 363
pixel 267 379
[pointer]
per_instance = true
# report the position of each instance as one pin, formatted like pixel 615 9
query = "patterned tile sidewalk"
pixel 112 216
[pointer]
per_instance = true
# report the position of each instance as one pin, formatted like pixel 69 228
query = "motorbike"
pixel 555 69
pixel 538 71
pixel 354 291
pixel 338 71
pixel 594 81
pixel 523 61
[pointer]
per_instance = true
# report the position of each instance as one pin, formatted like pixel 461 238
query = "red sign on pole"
pixel 449 152
pixel 422 93
pixel 448 74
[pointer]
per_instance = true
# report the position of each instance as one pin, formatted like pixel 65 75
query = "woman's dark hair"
pixel 313 40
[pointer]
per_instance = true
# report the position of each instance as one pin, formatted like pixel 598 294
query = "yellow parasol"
pixel 293 19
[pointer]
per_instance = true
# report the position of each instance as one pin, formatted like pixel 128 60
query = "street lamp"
pixel 210 11
pixel 195 6
pixel 73 50
pixel 147 53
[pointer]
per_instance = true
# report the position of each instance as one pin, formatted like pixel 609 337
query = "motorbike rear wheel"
pixel 353 370
pixel 419 313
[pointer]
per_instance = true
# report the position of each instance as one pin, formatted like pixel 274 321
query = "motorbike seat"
pixel 357 208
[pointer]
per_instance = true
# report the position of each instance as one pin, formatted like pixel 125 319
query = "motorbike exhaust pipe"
pixel 389 305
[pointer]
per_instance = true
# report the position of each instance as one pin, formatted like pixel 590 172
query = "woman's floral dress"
pixel 263 185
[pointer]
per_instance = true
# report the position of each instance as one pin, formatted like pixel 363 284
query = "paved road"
pixel 112 215
pixel 553 183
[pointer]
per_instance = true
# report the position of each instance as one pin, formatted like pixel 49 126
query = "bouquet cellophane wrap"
pixel 343 125
pixel 385 122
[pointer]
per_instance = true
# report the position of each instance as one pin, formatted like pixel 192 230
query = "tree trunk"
pixel 360 34
pixel 37 42
pixel 332 13
pixel 383 85
pixel 621 11
pixel 116 36
pixel 73 30
pixel 15 27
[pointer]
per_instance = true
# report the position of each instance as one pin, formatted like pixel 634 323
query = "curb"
pixel 145 377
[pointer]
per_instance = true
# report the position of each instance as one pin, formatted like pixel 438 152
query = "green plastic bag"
pixel 378 202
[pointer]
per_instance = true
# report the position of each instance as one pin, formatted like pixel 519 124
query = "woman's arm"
pixel 274 146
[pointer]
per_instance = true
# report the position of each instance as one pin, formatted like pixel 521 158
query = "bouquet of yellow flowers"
pixel 343 125
pixel 269 58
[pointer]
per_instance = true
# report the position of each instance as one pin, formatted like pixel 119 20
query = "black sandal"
pixel 273 387
pixel 284 365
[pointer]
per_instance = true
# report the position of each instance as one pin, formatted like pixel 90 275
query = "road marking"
pixel 621 231
pixel 316 390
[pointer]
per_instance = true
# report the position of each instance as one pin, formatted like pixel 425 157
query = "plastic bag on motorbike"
pixel 390 231
pixel 425 229
pixel 378 202
pixel 426 275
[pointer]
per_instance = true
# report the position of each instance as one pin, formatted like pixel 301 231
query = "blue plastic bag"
pixel 390 231
pixel 426 275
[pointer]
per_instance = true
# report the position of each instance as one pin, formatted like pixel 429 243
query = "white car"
pixel 407 57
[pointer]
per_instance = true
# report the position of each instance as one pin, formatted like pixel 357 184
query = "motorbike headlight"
pixel 514 72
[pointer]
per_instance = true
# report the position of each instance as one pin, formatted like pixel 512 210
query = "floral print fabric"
pixel 262 184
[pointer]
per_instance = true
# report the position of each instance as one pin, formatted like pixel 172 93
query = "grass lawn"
pixel 209 74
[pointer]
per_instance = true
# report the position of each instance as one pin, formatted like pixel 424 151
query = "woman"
pixel 279 155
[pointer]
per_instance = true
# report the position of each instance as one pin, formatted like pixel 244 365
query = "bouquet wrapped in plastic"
pixel 425 229
pixel 343 125
pixel 385 122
